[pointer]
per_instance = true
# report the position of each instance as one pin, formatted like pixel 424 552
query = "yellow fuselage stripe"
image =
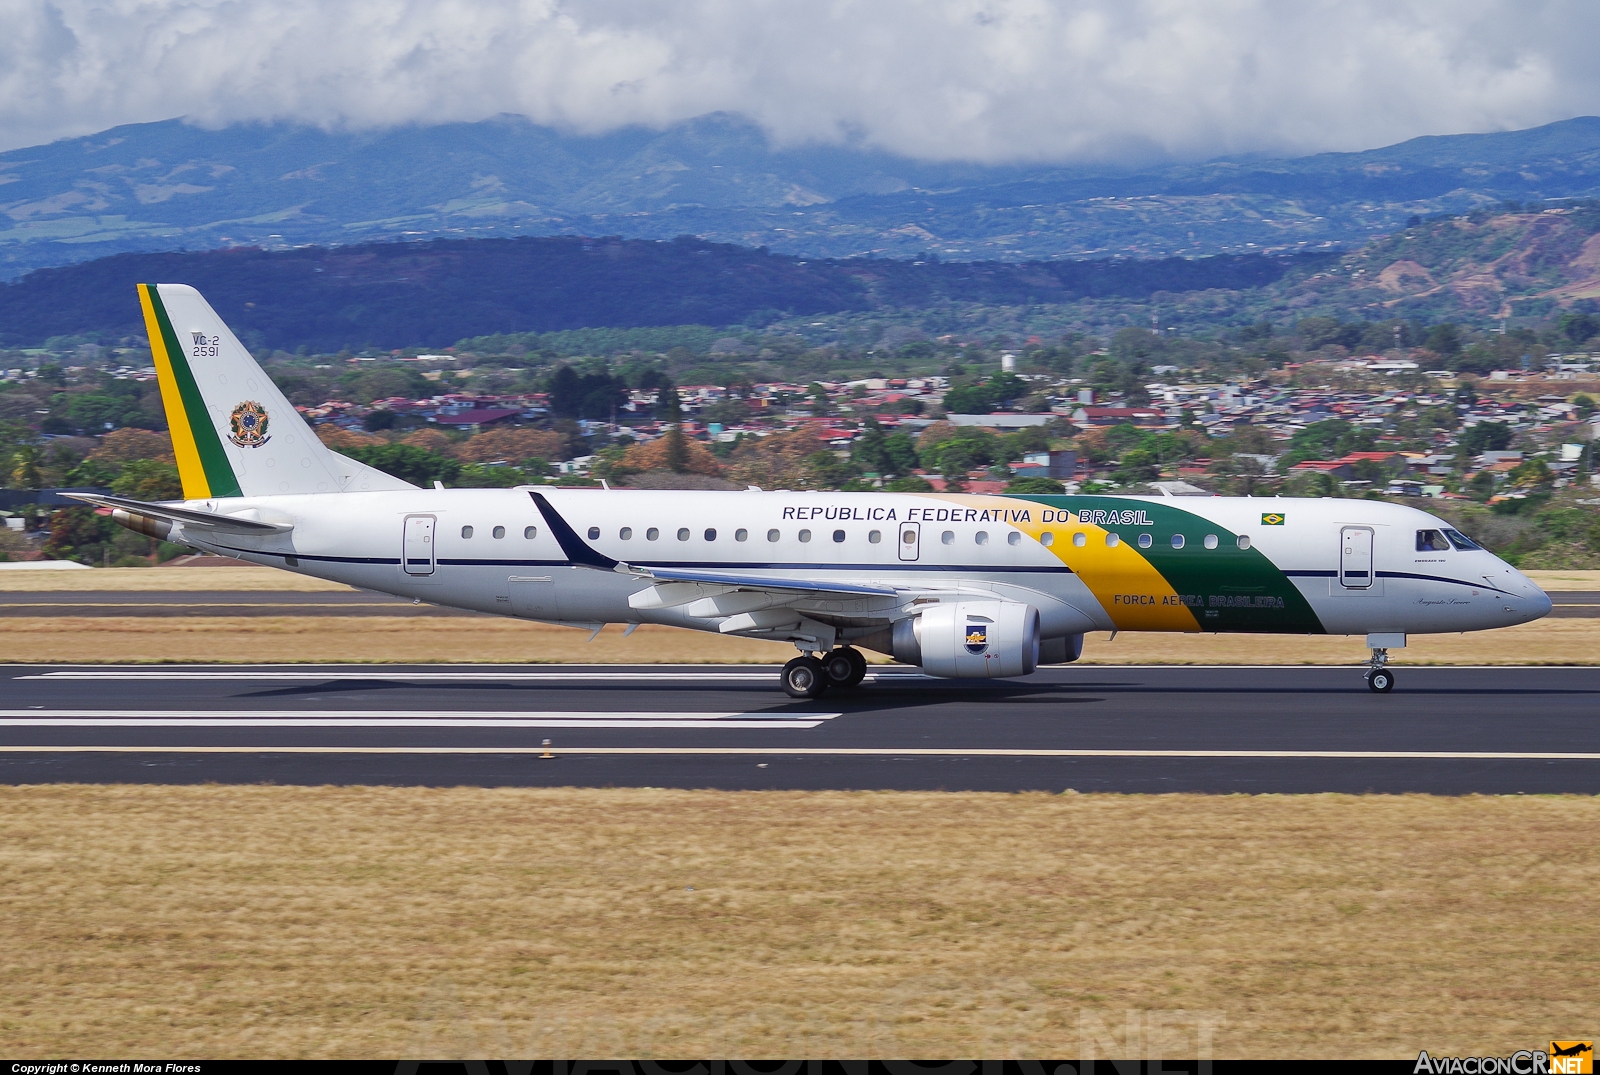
pixel 1134 594
pixel 195 485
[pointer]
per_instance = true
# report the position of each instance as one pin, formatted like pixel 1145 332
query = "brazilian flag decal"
pixel 1272 518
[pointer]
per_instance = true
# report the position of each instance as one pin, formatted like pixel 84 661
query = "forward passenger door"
pixel 1355 558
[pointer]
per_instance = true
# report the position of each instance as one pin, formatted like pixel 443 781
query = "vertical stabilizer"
pixel 233 432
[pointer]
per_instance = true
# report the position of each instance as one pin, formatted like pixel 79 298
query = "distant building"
pixel 1006 420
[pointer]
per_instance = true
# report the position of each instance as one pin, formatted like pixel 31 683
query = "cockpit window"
pixel 1431 541
pixel 1460 540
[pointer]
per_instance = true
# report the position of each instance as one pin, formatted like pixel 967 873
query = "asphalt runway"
pixel 1093 728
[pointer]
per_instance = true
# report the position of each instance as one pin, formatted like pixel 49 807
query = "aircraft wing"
pixel 203 520
pixel 756 582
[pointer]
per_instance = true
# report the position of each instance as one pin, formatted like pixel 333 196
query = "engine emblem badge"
pixel 977 637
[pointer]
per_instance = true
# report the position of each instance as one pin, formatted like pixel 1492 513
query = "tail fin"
pixel 233 432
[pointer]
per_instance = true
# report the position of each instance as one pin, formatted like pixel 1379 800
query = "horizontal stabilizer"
pixel 206 520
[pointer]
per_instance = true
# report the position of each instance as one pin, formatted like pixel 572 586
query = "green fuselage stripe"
pixel 1227 588
pixel 219 473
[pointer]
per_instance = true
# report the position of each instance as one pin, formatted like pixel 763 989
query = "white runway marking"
pixel 764 676
pixel 122 718
pixel 882 752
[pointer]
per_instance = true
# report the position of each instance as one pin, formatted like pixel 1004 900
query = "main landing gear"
pixel 808 677
pixel 1379 679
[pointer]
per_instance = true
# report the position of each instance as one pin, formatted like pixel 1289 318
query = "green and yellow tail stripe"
pixel 202 464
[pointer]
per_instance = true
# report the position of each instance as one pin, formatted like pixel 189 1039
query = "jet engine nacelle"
pixel 971 639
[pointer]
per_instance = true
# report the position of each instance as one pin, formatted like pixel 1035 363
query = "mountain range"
pixel 173 185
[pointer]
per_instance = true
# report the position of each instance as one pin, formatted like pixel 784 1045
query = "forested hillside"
pixel 394 295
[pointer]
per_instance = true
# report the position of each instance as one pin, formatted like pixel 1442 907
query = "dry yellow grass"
pixel 1566 580
pixel 316 639
pixel 343 922
pixel 154 579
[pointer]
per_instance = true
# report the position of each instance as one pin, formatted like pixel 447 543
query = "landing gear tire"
pixel 845 667
pixel 1380 681
pixel 804 677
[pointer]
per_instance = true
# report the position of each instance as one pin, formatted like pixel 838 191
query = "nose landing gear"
pixel 808 677
pixel 1379 679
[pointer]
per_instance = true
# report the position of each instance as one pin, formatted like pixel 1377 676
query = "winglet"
pixel 572 546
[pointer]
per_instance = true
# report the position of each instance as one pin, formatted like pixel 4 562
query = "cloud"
pixel 988 80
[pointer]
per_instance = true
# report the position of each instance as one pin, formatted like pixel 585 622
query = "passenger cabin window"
pixel 711 534
pixel 1047 539
pixel 1460 540
pixel 498 532
pixel 1013 538
pixel 1244 541
pixel 530 532
pixel 652 534
pixel 741 535
pixel 1145 541
pixel 1080 539
pixel 805 535
pixel 838 537
pixel 1177 541
pixel 466 531
pixel 1112 541
pixel 1211 541
pixel 773 535
pixel 1432 541
pixel 874 536
pixel 683 533
pixel 948 537
pixel 626 533
pixel 594 533
pixel 981 537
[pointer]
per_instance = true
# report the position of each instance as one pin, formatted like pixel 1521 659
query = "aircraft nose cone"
pixel 1540 602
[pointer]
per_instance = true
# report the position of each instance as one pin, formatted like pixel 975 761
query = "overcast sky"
pixel 987 80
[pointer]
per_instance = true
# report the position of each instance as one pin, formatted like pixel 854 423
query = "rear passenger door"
pixel 416 554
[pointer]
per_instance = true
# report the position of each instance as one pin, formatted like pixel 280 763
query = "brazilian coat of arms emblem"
pixel 249 425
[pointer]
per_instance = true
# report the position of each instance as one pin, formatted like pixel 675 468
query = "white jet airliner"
pixel 964 586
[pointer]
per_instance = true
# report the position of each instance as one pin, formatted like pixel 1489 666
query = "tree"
pixel 1035 485
pixel 25 466
pixel 149 479
pixel 902 452
pixel 676 454
pixel 78 534
pixel 870 450
pixel 1444 339
pixel 1486 437
pixel 1137 465
pixel 408 463
pixel 1579 327
pixel 1531 473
